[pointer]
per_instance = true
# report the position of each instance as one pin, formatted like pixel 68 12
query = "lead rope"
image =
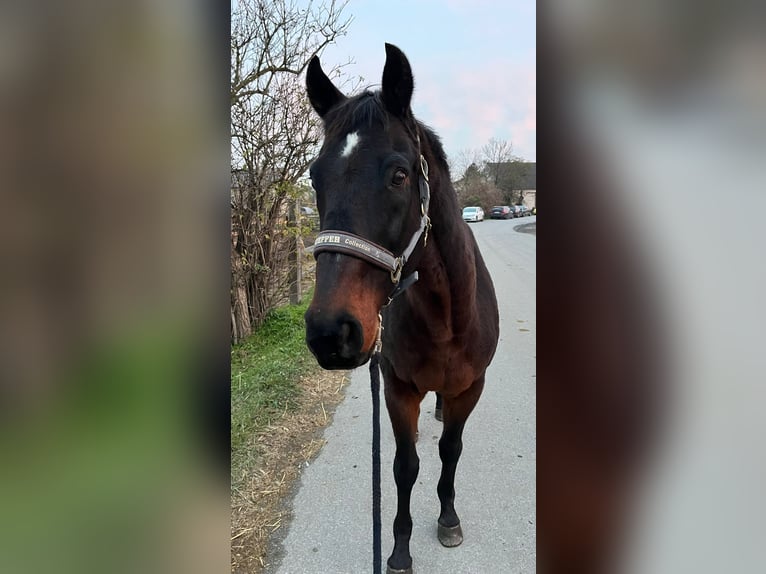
pixel 375 387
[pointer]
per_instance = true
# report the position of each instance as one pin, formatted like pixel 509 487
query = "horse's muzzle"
pixel 335 339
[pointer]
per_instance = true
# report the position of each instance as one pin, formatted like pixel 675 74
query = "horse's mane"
pixel 367 109
pixel 435 143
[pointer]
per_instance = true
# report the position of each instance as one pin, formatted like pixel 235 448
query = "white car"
pixel 473 214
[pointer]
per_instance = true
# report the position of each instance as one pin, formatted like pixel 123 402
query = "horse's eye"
pixel 400 176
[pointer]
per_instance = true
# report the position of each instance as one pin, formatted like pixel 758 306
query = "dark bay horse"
pixel 389 214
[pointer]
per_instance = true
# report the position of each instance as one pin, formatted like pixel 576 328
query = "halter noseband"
pixel 350 244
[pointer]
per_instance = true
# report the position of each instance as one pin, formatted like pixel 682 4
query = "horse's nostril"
pixel 336 342
pixel 350 338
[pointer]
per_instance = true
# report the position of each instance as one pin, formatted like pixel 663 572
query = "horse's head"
pixel 368 183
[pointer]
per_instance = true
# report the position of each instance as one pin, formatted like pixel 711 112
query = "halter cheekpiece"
pixel 356 246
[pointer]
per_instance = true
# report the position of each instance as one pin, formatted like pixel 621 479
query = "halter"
pixel 356 246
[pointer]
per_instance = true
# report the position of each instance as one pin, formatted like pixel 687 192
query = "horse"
pixel 383 188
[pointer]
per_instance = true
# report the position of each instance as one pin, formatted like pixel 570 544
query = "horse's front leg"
pixel 403 404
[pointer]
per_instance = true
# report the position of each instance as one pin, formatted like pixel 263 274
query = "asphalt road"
pixel 331 528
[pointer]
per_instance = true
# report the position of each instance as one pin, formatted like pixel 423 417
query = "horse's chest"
pixel 443 368
pixel 429 354
pixel 449 378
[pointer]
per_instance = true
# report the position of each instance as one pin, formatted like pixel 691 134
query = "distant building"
pixel 529 185
pixel 518 176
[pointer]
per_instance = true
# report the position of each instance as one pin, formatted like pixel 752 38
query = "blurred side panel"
pixel 114 202
pixel 651 287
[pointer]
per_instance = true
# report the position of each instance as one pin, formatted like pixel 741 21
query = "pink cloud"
pixel 494 98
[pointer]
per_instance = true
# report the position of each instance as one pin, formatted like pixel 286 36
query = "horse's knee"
pixel 451 444
pixel 406 467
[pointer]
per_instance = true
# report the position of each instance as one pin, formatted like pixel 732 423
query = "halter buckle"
pixel 379 338
pixel 396 274
pixel 424 166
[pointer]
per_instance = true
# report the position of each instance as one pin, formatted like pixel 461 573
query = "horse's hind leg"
pixel 403 404
pixel 438 411
pixel 456 411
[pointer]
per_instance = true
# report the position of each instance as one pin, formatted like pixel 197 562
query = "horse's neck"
pixel 448 268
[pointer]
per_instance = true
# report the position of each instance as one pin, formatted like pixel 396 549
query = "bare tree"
pixel 475 189
pixel 507 172
pixel 491 175
pixel 274 136
pixel 496 154
pixel 462 160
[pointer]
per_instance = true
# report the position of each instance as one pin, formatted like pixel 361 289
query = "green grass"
pixel 265 370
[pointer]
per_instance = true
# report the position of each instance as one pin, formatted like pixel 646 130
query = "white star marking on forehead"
pixel 352 140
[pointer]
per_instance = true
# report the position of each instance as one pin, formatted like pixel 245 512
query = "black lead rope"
pixel 375 386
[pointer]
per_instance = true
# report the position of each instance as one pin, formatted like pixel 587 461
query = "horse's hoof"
pixel 450 536
pixel 438 414
pixel 390 570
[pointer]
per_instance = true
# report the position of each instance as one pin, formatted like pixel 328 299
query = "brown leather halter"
pixel 356 246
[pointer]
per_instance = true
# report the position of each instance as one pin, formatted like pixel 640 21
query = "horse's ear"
pixel 323 95
pixel 397 81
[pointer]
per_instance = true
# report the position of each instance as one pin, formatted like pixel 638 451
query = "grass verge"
pixel 265 373
pixel 281 401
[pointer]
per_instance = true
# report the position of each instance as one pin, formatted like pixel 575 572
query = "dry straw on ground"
pixel 284 450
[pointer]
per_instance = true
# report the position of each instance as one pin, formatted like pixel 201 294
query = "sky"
pixel 473 63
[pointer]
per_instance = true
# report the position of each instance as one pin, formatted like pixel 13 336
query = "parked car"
pixel 473 213
pixel 522 211
pixel 514 210
pixel 501 212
